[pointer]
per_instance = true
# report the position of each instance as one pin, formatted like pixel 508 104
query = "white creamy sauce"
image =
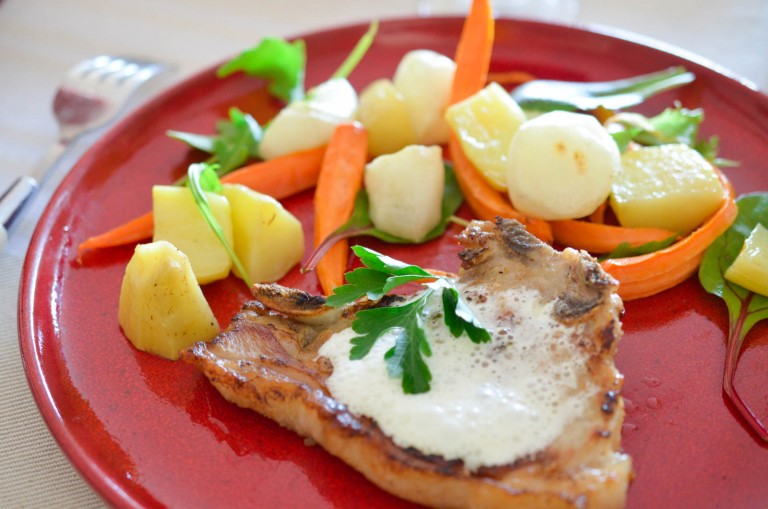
pixel 489 404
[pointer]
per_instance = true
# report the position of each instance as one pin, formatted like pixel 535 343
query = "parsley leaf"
pixel 382 274
pixel 276 59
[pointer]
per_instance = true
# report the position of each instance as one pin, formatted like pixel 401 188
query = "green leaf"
pixel 361 282
pixel 673 125
pixel 459 318
pixel 382 274
pixel 625 250
pixel 202 178
pixel 236 140
pixel 275 59
pixel 745 308
pixel 405 358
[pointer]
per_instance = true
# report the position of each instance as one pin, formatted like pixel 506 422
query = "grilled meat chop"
pixel 267 360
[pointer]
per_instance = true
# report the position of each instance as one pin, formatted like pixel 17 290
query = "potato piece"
pixel 162 308
pixel 750 268
pixel 384 113
pixel 405 190
pixel 269 240
pixel 179 221
pixel 485 124
pixel 671 187
pixel 561 166
pixel 310 123
pixel 425 78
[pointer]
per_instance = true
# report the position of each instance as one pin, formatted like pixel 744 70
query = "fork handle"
pixel 11 203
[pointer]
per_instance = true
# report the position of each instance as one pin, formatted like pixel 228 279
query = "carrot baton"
pixel 645 275
pixel 340 179
pixel 280 178
pixel 603 238
pixel 473 53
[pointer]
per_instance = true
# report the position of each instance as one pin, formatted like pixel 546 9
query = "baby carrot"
pixel 279 177
pixel 473 53
pixel 341 177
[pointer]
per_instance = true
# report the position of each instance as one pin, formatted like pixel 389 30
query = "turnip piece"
pixel 405 191
pixel 561 165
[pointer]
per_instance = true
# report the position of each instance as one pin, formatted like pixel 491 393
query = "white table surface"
pixel 41 39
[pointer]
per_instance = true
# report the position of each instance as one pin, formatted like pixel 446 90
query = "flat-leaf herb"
pixel 406 359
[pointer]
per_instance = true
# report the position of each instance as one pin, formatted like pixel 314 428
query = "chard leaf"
pixel 275 59
pixel 745 308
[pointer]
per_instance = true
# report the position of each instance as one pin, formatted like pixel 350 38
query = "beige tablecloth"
pixel 41 39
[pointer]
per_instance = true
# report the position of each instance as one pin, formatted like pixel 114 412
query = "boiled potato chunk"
pixel 425 78
pixel 561 165
pixel 179 221
pixel 384 113
pixel 269 240
pixel 162 309
pixel 669 186
pixel 485 124
pixel 309 123
pixel 405 191
pixel 750 268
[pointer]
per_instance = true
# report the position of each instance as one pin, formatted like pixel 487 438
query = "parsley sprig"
pixel 380 275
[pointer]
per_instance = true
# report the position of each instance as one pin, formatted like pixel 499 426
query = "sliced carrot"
pixel 279 177
pixel 486 202
pixel 646 275
pixel 603 238
pixel 473 53
pixel 341 177
pixel 598 216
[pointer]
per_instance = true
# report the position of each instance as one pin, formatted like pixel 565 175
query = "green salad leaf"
pixel 202 178
pixel 745 308
pixel 625 250
pixel 236 140
pixel 380 275
pixel 673 125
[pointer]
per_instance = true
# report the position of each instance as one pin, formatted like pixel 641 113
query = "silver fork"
pixel 93 93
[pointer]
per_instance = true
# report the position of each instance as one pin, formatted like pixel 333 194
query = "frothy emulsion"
pixel 489 404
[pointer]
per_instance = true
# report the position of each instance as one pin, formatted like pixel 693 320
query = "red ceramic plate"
pixel 148 432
